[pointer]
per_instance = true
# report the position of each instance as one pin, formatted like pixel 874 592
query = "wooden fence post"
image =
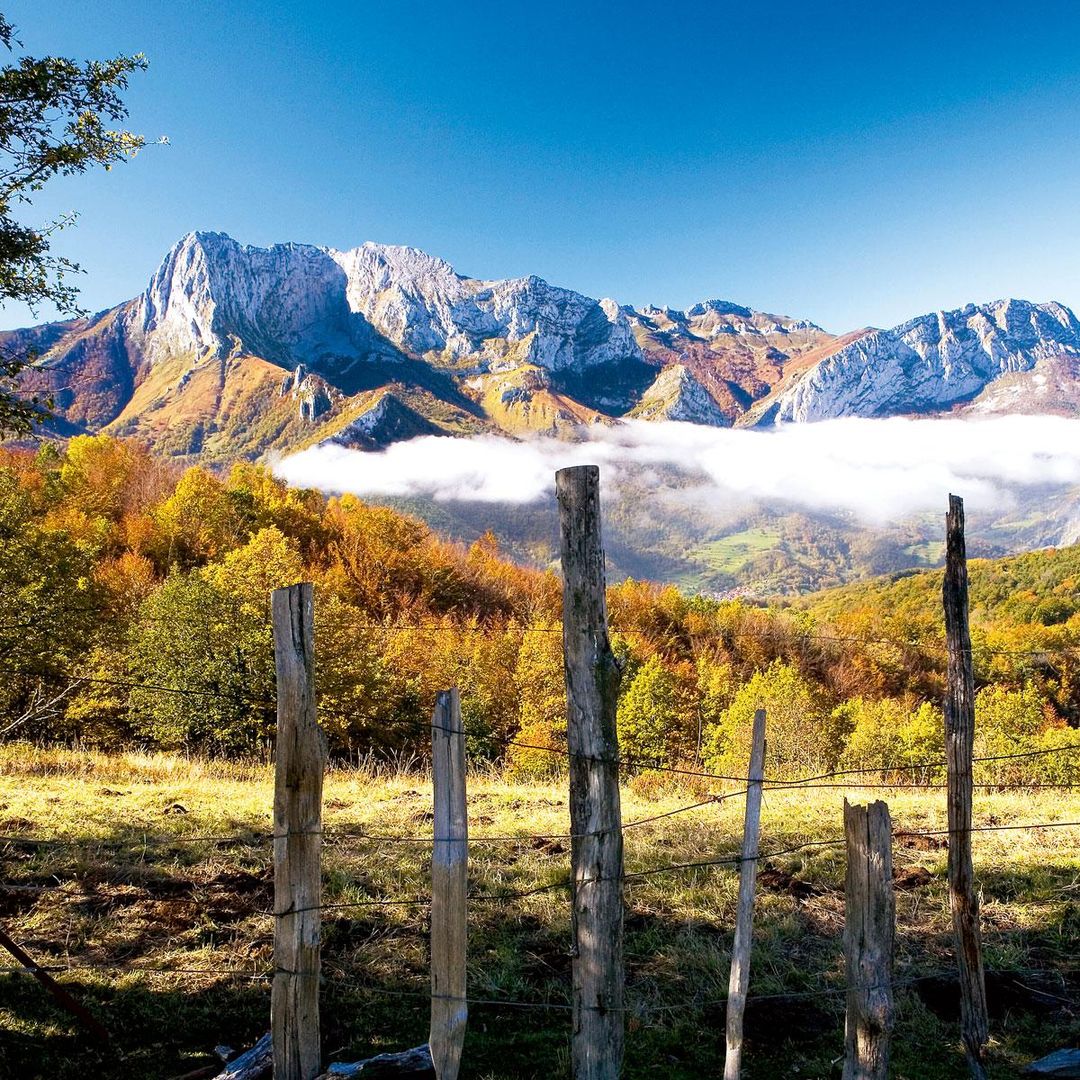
pixel 959 744
pixel 449 886
pixel 592 687
pixel 869 929
pixel 744 916
pixel 298 783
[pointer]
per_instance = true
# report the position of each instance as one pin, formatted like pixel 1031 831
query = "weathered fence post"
pixel 298 783
pixel 869 929
pixel 744 916
pixel 592 686
pixel 449 885
pixel 959 743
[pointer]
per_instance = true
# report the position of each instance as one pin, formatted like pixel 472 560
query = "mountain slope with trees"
pixel 236 353
pixel 136 601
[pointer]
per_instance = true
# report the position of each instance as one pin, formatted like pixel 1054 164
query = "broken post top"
pixel 954 526
pixel 875 807
pixel 575 473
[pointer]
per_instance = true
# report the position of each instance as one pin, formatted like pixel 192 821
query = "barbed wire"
pixel 649 764
pixel 725 860
pixel 641 1008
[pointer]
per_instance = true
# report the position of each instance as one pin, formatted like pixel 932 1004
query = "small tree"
pixel 1008 722
pixel 798 738
pixel 922 739
pixel 648 712
pixel 876 731
pixel 49 599
pixel 540 688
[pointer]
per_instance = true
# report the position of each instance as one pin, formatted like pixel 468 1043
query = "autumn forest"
pixel 137 614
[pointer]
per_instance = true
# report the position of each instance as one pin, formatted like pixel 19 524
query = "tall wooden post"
pixel 449 886
pixel 959 744
pixel 739 979
pixel 298 783
pixel 869 930
pixel 592 686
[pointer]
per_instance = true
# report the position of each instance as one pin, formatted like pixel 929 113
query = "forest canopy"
pixel 136 613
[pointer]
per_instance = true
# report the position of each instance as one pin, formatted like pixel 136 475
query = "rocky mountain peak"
pixel 719 307
pixel 296 303
pixel 213 296
pixel 932 362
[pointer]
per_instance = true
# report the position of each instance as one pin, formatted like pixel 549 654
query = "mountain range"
pixel 238 352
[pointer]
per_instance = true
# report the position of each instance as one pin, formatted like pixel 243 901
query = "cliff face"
pixel 930 363
pixel 298 304
pixel 235 351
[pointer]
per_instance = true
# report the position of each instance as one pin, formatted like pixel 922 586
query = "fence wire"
pixel 643 1008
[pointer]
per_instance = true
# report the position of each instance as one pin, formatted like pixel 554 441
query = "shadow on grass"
pixel 373 993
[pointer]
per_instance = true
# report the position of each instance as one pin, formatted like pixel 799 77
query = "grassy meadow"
pixel 132 892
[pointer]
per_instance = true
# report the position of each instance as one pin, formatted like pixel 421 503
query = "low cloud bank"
pixel 881 470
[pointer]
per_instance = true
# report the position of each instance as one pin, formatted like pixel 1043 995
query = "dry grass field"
pixel 168 941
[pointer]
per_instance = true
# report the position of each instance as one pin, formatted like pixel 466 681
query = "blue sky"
pixel 852 163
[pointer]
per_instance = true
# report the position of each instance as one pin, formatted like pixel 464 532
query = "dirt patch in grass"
pixel 776 880
pixel 911 877
pixel 16 825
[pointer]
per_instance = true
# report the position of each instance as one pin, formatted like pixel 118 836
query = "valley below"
pixel 737 513
pixel 745 452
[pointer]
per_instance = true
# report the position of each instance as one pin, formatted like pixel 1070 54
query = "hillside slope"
pixel 931 363
pixel 238 352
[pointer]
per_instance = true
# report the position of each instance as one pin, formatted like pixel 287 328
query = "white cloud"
pixel 880 470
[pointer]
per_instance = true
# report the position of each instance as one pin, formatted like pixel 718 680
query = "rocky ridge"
pixel 235 351
pixel 930 363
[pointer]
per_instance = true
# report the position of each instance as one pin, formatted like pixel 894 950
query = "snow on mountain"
pixel 711 318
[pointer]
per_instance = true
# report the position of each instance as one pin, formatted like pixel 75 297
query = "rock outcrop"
pixel 235 351
pixel 931 363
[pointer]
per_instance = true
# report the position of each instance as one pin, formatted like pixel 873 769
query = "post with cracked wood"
pixel 959 746
pixel 739 979
pixel 449 887
pixel 869 931
pixel 298 784
pixel 592 687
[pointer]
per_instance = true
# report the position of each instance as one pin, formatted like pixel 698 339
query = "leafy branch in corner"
pixel 58 117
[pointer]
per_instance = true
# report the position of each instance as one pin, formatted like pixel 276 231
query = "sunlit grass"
pixel 135 889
